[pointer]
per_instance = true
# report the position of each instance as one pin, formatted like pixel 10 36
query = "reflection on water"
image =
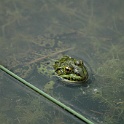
pixel 34 34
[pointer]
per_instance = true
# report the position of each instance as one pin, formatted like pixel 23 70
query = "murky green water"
pixel 20 104
pixel 34 33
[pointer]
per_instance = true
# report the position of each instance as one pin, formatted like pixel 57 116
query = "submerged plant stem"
pixel 44 57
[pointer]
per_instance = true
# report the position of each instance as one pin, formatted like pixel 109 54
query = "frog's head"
pixel 70 69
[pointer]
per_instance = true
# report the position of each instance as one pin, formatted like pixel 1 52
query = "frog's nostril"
pixel 76 71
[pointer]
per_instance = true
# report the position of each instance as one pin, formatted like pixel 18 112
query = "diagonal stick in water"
pixel 44 57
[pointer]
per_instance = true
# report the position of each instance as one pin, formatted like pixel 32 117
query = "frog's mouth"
pixel 72 77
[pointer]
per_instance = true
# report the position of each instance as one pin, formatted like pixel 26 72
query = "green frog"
pixel 71 70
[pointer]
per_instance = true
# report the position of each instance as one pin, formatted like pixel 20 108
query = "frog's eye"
pixel 68 69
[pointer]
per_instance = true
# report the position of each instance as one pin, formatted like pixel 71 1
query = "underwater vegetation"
pixel 111 89
pixel 108 84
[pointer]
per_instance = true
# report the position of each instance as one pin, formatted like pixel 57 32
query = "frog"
pixel 71 70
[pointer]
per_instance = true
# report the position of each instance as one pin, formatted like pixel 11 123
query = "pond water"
pixel 20 104
pixel 34 34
